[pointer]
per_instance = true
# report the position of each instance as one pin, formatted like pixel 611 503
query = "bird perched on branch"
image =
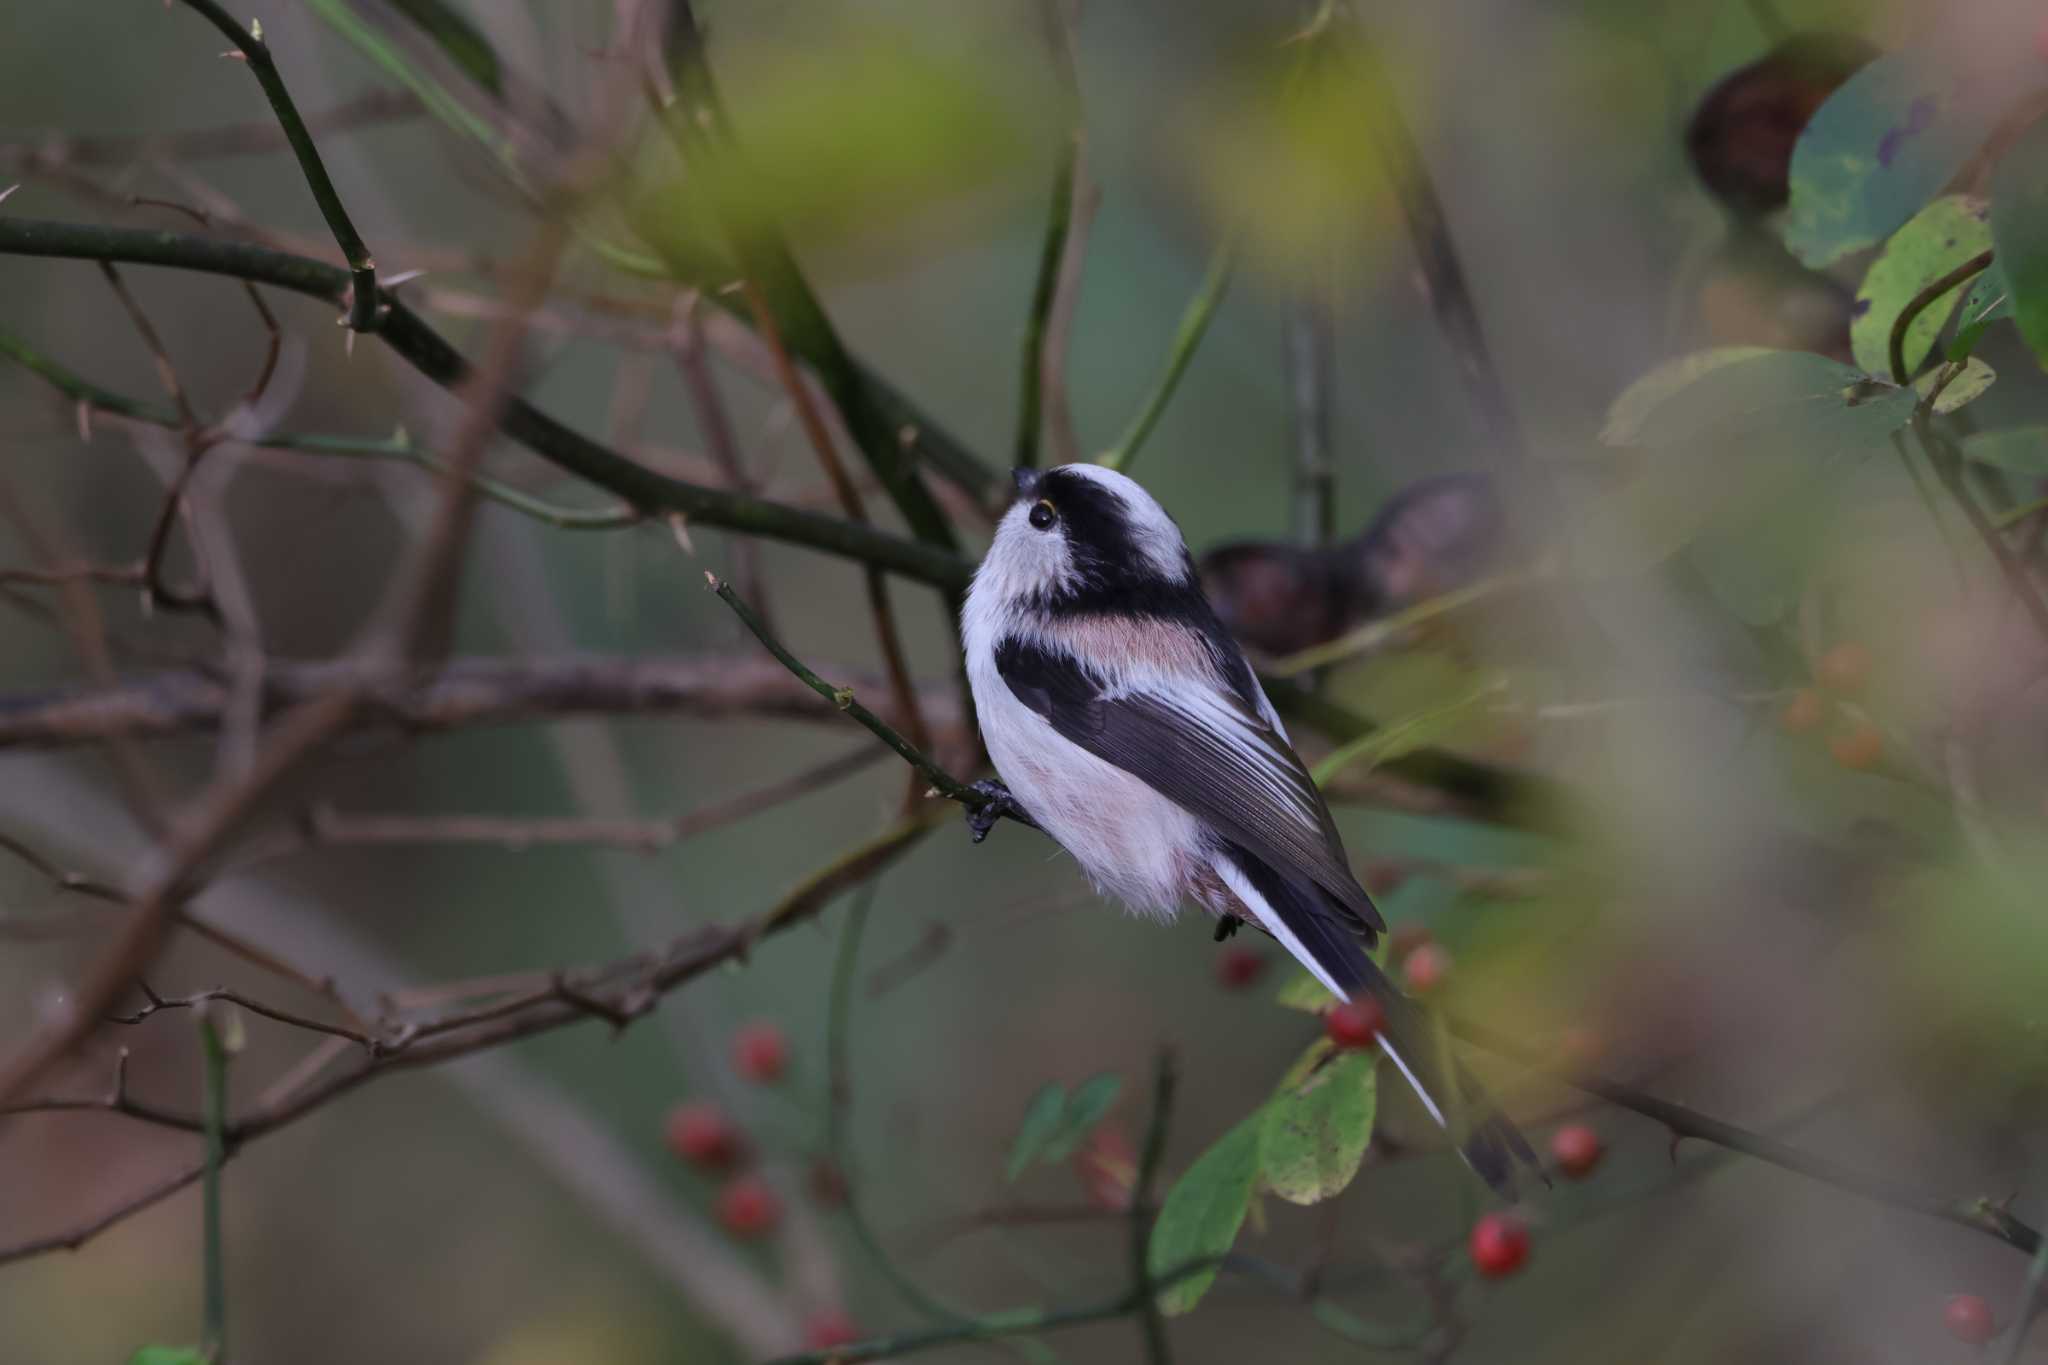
pixel 1126 723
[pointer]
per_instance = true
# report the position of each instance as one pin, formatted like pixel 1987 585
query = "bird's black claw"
pixel 995 803
pixel 1227 927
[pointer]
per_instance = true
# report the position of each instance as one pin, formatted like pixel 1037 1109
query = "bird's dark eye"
pixel 1042 516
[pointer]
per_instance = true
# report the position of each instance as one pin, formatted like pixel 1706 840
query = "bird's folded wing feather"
pixel 1202 748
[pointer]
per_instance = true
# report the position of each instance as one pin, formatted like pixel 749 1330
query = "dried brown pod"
pixel 1276 598
pixel 1435 535
pixel 1741 136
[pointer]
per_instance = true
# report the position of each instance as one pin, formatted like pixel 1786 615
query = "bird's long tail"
pixel 1415 1044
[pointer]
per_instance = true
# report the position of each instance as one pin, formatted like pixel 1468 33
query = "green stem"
pixel 942 781
pixel 362 313
pixel 1151 1321
pixel 2029 1306
pixel 697 123
pixel 992 1326
pixel 1058 222
pixel 1194 324
pixel 428 352
pixel 357 447
pixel 214 1309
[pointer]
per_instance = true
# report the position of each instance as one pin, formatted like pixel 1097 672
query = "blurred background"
pixel 1777 864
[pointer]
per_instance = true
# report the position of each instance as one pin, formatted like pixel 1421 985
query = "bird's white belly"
pixel 1133 843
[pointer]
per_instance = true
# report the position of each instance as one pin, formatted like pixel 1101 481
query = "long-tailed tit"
pixel 1126 723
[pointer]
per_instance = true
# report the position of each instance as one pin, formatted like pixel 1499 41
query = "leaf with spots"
pixel 1939 238
pixel 1318 1124
pixel 1894 135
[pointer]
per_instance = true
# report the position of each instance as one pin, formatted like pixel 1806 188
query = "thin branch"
pixel 423 348
pixel 214 1296
pixel 367 110
pixel 1002 1326
pixel 1947 460
pixel 943 782
pixel 901 690
pixel 2029 1306
pixel 1194 324
pixel 1895 344
pixel 74 1238
pixel 362 314
pixel 1440 273
pixel 327 826
pixel 1979 1215
pixel 1144 1291
pixel 1310 346
pixel 461 693
pixel 222 994
pixel 697 123
pixel 1061 211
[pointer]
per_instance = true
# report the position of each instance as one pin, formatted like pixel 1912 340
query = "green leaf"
pixel 1417 730
pixel 1318 1125
pixel 1041 1123
pixel 2018 450
pixel 1939 238
pixel 1989 299
pixel 1090 1101
pixel 1625 416
pixel 1204 1210
pixel 1965 387
pixel 1304 992
pixel 1893 135
pixel 168 1355
pixel 1732 446
pixel 2019 227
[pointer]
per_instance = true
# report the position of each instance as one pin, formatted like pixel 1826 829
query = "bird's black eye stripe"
pixel 1043 515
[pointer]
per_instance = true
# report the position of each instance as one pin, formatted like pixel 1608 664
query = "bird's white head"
pixel 1080 534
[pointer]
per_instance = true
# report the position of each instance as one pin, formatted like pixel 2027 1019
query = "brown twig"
pixel 901 691
pixel 326 826
pixel 367 110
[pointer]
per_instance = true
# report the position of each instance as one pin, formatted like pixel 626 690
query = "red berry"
pixel 1108 1167
pixel 1239 967
pixel 747 1207
pixel 1354 1024
pixel 1805 711
pixel 828 1329
pixel 1968 1318
pixel 1860 749
pixel 760 1052
pixel 1500 1243
pixel 1426 968
pixel 701 1134
pixel 1576 1149
pixel 1844 669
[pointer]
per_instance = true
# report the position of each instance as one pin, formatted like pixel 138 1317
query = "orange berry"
pixel 1804 712
pixel 1577 1150
pixel 1844 669
pixel 1859 749
pixel 1426 968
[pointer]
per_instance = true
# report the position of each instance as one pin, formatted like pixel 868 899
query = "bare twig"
pixel 1979 1215
pixel 417 343
pixel 1895 343
pixel 366 110
pixel 1063 209
pixel 362 313
pixel 326 826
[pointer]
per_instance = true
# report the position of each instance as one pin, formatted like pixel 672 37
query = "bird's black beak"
pixel 1026 480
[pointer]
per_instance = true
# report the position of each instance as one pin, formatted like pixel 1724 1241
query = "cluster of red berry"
pixel 747 1206
pixel 1841 673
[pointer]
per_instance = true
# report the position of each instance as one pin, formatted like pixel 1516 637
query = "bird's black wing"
pixel 1203 748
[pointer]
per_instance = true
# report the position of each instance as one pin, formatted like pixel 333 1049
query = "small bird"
pixel 1126 723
